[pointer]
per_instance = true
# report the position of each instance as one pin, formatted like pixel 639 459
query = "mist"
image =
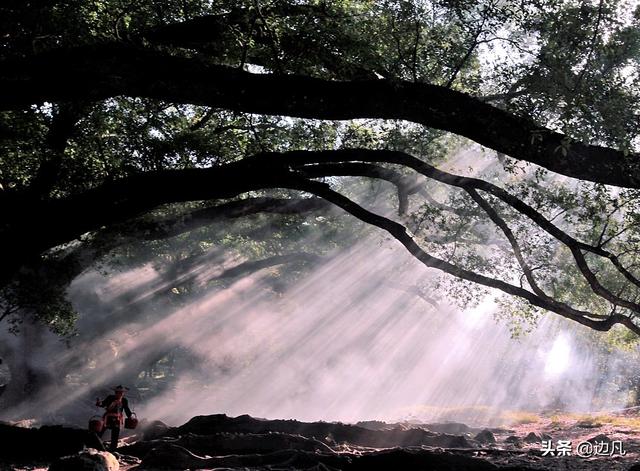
pixel 349 341
pixel 365 332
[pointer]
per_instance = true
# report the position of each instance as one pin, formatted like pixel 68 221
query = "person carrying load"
pixel 114 404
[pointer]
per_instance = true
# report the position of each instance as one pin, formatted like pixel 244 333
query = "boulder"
pixel 154 429
pixel 485 437
pixel 513 440
pixel 532 437
pixel 447 441
pixel 599 438
pixel 21 444
pixel 88 460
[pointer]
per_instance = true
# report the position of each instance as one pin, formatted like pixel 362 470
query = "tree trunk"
pixel 27 378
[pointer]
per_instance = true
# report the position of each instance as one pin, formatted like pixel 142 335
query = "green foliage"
pixel 22 135
pixel 571 66
pixel 39 293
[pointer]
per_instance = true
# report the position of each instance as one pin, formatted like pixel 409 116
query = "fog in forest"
pixel 351 341
pixel 365 334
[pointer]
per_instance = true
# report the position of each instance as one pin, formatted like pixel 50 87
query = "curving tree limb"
pixel 118 201
pixel 112 69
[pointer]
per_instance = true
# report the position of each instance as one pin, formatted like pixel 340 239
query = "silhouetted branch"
pixel 429 171
pixel 107 70
pixel 252 266
pixel 119 201
pixel 400 234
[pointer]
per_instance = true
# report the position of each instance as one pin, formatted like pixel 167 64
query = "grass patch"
pixel 622 421
pixel 520 417
pixel 556 421
pixel 596 420
pixel 591 421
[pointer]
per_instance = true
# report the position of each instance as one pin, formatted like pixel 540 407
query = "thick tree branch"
pixel 173 226
pixel 32 227
pixel 98 72
pixel 465 183
pixel 119 201
pixel 515 246
pixel 102 242
pixel 528 271
pixel 61 128
pixel 404 185
pixel 399 233
pixel 252 266
pixel 126 198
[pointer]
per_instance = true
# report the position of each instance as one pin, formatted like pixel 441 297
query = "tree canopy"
pixel 154 120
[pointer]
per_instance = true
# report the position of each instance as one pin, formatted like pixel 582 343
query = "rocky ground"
pixel 550 442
